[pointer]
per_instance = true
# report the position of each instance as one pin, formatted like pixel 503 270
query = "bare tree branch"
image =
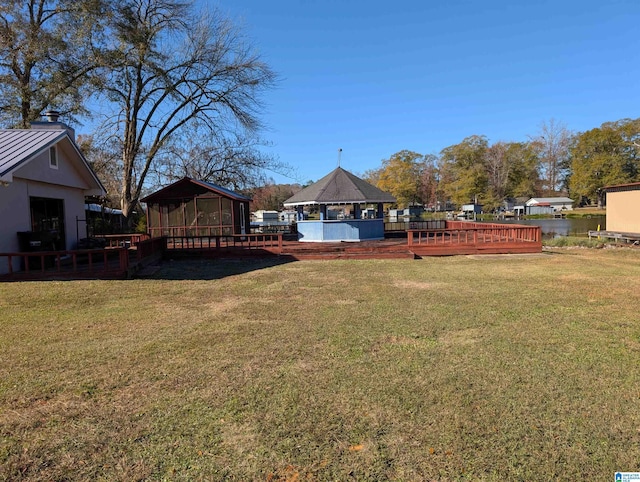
pixel 172 70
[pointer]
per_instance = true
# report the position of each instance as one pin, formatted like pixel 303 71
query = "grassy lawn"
pixel 461 368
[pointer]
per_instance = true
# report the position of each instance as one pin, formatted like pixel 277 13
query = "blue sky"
pixel 374 77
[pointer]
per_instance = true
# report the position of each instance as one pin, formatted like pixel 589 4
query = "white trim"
pixel 54 160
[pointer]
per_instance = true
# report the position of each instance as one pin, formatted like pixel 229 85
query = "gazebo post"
pixel 357 214
pixel 380 211
pixel 300 212
pixel 323 212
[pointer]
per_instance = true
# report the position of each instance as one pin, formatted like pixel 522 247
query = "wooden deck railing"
pixel 406 225
pixel 110 262
pixel 86 261
pixel 123 240
pixel 150 247
pixel 461 232
pixel 271 241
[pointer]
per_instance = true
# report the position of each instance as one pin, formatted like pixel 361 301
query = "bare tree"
pixel 46 56
pixel 497 164
pixel 552 145
pixel 105 161
pixel 234 160
pixel 171 69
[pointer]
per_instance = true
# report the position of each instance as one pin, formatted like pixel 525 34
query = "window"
pixel 53 157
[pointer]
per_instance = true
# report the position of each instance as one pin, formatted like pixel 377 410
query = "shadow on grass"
pixel 211 269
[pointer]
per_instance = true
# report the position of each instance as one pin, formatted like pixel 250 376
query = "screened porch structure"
pixel 196 208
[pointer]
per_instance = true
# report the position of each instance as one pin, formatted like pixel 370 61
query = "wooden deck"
pixel 457 238
pixel 446 238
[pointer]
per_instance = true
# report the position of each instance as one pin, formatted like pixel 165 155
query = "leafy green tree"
pixel 463 173
pixel 400 175
pixel 46 57
pixel 523 175
pixel 604 156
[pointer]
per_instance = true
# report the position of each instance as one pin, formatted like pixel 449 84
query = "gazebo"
pixel 341 189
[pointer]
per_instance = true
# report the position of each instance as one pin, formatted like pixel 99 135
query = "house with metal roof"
pixel 343 189
pixel 548 205
pixel 623 208
pixel 44 180
pixel 189 207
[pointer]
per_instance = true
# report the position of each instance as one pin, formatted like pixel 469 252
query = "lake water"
pixel 552 228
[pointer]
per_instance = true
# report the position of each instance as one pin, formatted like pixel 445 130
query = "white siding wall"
pixel 15 214
pixel 14 217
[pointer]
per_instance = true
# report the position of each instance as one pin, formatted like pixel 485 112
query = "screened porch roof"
pixel 186 186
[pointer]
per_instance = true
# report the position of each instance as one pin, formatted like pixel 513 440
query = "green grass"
pixel 522 367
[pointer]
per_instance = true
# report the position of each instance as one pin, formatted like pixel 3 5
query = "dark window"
pixel 53 157
pixel 47 216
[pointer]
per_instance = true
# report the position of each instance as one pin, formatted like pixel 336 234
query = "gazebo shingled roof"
pixel 339 187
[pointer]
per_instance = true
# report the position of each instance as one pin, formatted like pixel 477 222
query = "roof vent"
pixel 52 115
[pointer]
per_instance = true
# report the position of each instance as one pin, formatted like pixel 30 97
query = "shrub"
pixel 565 241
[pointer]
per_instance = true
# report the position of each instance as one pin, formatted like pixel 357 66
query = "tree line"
pixel 177 89
pixel 555 162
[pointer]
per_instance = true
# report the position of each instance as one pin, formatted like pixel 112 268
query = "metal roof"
pixel 19 146
pixel 207 185
pixel 551 200
pixel 223 190
pixel 632 186
pixel 340 187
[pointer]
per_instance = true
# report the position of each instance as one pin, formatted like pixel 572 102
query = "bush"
pixel 565 241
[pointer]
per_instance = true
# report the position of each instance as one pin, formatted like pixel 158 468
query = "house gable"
pixel 67 171
pixel 25 153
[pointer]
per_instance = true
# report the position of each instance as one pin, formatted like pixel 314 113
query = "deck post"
pixel 124 260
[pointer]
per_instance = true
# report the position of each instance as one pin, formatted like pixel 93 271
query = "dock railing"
pixel 464 232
